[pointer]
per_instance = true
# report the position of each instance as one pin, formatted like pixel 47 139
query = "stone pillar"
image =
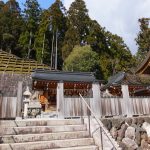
pixel 25 110
pixel 97 109
pixel 60 100
pixel 127 103
pixel 19 99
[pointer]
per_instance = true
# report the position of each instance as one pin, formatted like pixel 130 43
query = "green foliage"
pixel 32 13
pixel 11 26
pixel 42 37
pixel 96 37
pixel 52 24
pixel 143 39
pixel 82 59
pixel 120 56
pixel 24 43
pixel 35 32
pixel 77 24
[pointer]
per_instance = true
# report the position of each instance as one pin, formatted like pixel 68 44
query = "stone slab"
pixel 53 144
pixel 49 129
pixel 47 122
pixel 7 123
pixel 50 136
pixel 5 147
pixel 90 147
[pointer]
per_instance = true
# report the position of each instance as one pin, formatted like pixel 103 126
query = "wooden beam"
pixel 19 99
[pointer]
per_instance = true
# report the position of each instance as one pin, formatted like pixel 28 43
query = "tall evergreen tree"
pixel 51 35
pixel 11 25
pixel 77 23
pixel 143 39
pixel 58 29
pixel 42 40
pixel 120 56
pixel 96 37
pixel 32 13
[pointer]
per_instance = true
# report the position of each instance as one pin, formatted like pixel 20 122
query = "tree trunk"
pixel 43 49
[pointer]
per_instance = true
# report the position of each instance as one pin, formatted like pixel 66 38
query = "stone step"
pixel 44 137
pixel 7 123
pixel 5 147
pixel 49 129
pixel 41 129
pixel 7 131
pixel 55 144
pixel 48 122
pixel 90 147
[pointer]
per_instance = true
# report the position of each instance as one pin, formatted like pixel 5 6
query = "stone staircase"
pixel 40 134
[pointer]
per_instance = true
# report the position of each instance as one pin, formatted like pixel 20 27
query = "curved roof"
pixel 10 63
pixel 144 67
pixel 63 76
pixel 122 78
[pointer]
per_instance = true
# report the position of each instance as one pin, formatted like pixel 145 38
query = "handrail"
pixel 100 124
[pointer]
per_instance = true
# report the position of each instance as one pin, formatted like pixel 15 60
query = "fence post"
pixel 127 103
pixel 97 109
pixel 60 100
pixel 19 99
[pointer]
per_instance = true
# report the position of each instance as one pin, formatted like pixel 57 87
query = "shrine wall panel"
pixel 112 106
pixel 75 107
pixel 141 106
pixel 8 106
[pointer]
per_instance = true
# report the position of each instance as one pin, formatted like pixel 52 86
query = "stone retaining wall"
pixel 131 133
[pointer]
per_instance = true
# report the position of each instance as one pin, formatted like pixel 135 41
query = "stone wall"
pixel 130 133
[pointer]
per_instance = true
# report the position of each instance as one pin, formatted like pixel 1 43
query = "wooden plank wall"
pixel 140 106
pixel 112 106
pixel 9 83
pixel 8 107
pixel 72 107
pixel 9 92
pixel 109 106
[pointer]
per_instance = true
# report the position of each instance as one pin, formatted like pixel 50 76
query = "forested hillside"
pixel 80 43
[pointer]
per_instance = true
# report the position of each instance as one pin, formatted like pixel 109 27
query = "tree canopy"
pixel 81 59
pixel 143 38
pixel 63 39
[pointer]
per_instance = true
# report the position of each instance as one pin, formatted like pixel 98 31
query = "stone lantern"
pixel 26 101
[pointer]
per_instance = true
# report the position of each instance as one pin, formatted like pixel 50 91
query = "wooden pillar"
pixel 127 103
pixel 60 100
pixel 97 109
pixel 19 99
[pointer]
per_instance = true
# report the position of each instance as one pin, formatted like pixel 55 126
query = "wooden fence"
pixel 8 107
pixel 11 89
pixel 74 107
pixel 110 106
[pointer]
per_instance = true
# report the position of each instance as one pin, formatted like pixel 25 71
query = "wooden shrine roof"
pixel 144 67
pixel 10 63
pixel 127 79
pixel 63 76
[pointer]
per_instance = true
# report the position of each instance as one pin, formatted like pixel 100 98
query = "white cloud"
pixel 118 16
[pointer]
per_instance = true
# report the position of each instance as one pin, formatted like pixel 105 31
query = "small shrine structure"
pixel 59 91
